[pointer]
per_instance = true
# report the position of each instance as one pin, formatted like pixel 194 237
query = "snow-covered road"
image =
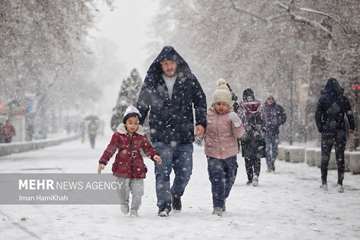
pixel 286 205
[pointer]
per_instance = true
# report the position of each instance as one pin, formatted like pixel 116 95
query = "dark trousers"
pixel 252 165
pixel 222 174
pixel 174 157
pixel 338 140
pixel 92 140
pixel 272 142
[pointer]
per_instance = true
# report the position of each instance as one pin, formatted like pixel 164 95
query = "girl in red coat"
pixel 129 167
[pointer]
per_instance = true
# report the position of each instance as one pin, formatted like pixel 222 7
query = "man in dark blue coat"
pixel 330 115
pixel 274 116
pixel 171 94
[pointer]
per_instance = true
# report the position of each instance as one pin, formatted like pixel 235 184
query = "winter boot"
pixel 218 211
pixel 176 203
pixel 256 181
pixel 134 213
pixel 224 207
pixel 124 209
pixel 164 212
pixel 273 166
pixel 340 188
pixel 249 182
pixel 324 187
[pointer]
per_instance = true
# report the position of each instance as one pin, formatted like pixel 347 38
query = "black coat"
pixel 274 116
pixel 332 108
pixel 253 142
pixel 172 119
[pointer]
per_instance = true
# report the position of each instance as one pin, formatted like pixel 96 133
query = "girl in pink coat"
pixel 224 127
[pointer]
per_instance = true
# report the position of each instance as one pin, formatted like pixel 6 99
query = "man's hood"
pixel 169 53
pixel 333 87
pixel 273 99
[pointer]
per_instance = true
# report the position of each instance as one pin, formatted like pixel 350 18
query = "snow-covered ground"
pixel 286 205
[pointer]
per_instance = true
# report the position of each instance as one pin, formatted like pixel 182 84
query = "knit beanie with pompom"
pixel 222 93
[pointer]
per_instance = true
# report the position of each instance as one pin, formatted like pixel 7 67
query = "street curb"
pixel 19 147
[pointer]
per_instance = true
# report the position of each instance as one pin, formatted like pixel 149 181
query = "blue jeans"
pixel 272 142
pixel 179 158
pixel 222 174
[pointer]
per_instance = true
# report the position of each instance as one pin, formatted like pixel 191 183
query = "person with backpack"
pixel 330 115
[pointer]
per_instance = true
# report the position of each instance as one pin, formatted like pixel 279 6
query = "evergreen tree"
pixel 128 95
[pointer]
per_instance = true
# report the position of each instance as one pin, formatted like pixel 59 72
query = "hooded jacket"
pixel 171 119
pixel 253 144
pixel 128 162
pixel 332 108
pixel 274 116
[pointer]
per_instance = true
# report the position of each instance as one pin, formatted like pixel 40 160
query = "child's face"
pixel 222 107
pixel 132 124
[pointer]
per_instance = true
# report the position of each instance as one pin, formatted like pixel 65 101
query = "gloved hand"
pixel 235 119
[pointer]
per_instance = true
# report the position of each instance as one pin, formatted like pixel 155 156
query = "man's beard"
pixel 170 76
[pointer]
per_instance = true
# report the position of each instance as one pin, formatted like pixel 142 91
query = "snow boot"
pixel 249 182
pixel 256 181
pixel 324 187
pixel 124 209
pixel 134 213
pixel 340 188
pixel 164 212
pixel 218 211
pixel 176 203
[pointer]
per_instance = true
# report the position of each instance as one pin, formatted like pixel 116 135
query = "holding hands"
pixel 157 159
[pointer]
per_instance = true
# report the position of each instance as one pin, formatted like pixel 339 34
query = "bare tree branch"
pixel 311 23
pixel 291 8
pixel 236 8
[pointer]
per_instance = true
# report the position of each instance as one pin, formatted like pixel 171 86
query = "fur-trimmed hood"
pixel 122 130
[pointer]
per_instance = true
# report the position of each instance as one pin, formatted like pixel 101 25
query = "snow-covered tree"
pixel 284 48
pixel 44 54
pixel 128 95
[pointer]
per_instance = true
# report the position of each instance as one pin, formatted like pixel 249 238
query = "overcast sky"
pixel 127 25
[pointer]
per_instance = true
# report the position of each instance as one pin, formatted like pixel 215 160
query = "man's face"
pixel 270 101
pixel 168 67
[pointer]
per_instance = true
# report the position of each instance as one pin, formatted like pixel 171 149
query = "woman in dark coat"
pixel 252 144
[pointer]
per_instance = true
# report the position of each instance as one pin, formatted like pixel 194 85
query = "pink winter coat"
pixel 221 135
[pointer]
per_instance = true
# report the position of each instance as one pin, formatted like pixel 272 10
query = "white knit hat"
pixel 131 111
pixel 222 93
